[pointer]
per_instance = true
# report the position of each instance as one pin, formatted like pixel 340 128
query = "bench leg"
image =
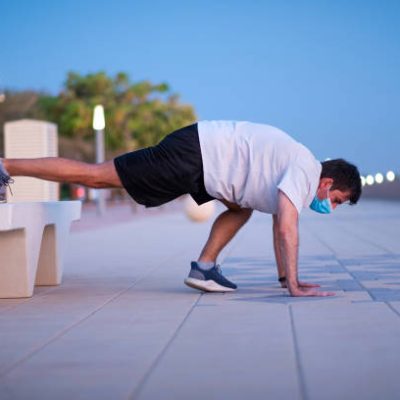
pixel 19 255
pixel 54 244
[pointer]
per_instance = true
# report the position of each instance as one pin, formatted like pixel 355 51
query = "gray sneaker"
pixel 210 280
pixel 5 181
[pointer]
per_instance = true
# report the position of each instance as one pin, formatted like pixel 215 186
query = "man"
pixel 246 166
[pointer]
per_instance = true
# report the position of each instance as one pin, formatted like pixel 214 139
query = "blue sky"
pixel 327 72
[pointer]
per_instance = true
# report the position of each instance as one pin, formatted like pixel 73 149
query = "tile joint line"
pixel 64 331
pixel 299 368
pixel 136 392
pixel 392 308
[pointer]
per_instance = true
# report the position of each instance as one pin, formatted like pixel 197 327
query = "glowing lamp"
pixel 99 122
pixel 370 180
pixel 379 178
pixel 390 176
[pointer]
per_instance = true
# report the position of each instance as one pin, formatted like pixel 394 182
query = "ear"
pixel 325 183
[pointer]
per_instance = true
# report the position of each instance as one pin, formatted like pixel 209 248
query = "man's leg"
pixel 64 170
pixel 223 230
pixel 204 274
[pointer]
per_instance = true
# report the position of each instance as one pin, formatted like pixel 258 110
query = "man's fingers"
pixel 311 293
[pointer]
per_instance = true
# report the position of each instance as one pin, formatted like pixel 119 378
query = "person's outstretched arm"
pixel 286 243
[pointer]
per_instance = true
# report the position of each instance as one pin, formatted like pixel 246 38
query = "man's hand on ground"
pixel 302 285
pixel 308 285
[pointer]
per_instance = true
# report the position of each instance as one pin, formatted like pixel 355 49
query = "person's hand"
pixel 302 285
pixel 305 285
pixel 308 292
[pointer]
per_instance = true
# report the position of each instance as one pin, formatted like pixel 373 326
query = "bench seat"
pixel 33 238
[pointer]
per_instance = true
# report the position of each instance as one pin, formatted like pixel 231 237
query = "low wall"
pixel 385 190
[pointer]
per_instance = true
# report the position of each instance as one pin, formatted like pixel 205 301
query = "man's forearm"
pixel 289 249
pixel 279 263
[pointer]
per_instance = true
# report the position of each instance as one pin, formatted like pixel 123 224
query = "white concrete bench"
pixel 33 238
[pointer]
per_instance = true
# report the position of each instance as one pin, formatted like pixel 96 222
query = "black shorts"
pixel 161 173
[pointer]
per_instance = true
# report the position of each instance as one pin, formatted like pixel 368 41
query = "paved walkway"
pixel 123 326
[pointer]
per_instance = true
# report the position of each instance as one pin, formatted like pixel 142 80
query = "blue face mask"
pixel 323 206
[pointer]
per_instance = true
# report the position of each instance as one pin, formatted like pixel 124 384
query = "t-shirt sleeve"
pixel 295 185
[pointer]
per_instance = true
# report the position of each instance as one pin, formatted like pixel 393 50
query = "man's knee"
pixel 246 212
pixel 104 176
pixel 99 176
pixel 231 206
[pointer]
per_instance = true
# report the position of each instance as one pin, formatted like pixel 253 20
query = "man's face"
pixel 336 196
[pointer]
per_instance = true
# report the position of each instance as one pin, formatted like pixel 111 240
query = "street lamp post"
pixel 98 126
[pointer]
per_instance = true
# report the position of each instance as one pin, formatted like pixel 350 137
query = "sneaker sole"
pixel 207 286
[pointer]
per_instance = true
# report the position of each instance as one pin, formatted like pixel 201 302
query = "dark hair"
pixel 346 177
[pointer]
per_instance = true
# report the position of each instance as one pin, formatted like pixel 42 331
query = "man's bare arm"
pixel 287 245
pixel 279 264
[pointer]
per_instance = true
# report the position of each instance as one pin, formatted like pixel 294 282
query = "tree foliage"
pixel 138 114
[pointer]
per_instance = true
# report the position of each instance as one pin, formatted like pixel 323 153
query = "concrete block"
pixel 28 138
pixel 33 238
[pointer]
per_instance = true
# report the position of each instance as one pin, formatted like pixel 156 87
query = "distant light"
pixel 99 122
pixel 379 178
pixel 328 159
pixel 80 192
pixel 390 176
pixel 370 180
pixel 362 181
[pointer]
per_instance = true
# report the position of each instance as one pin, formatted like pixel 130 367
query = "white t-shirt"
pixel 247 164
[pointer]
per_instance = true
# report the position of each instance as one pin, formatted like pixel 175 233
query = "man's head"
pixel 342 180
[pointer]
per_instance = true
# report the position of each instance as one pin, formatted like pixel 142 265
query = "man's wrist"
pixel 292 284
